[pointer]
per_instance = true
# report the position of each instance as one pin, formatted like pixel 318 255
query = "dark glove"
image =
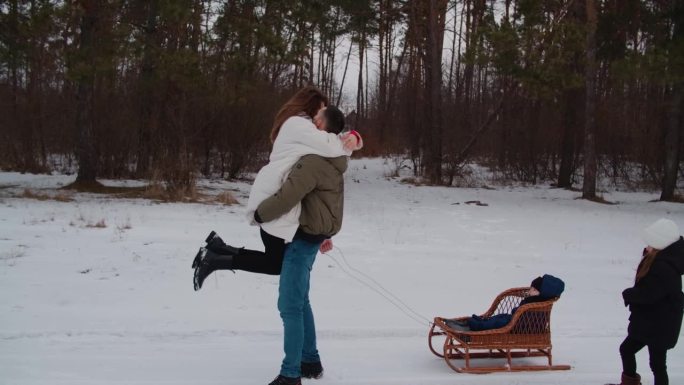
pixel 625 296
pixel 257 218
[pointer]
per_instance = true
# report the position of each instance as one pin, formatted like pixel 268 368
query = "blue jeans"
pixel 295 309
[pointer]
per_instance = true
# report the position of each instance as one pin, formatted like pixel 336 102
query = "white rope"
pixel 375 286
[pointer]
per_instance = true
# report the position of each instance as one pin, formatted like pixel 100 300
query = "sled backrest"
pixel 505 302
pixel 533 318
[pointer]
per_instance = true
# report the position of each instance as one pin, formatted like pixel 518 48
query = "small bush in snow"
pixel 11 254
pixel 125 226
pixel 226 198
pixel 62 197
pixel 101 224
pixel 30 194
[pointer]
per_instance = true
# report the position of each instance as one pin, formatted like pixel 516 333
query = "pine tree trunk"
pixel 13 73
pixel 459 78
pixel 86 151
pixel 149 106
pixel 672 144
pixel 366 98
pixel 590 161
pixel 33 67
pixel 675 119
pixel 572 123
pixel 574 99
pixel 344 74
pixel 436 13
pixel 310 80
pixel 382 73
pixel 359 90
pixel 453 56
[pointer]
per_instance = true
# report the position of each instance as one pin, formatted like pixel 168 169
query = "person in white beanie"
pixel 656 302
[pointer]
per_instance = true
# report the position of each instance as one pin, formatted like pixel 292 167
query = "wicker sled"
pixel 527 335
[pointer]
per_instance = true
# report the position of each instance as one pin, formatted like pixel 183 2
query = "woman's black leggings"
pixel 269 261
pixel 657 360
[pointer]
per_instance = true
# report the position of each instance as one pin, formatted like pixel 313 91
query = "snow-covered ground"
pixel 89 305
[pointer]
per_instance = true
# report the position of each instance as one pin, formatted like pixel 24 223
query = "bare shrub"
pixel 226 198
pixel 415 181
pixel 11 254
pixel 173 181
pixel 30 194
pixel 125 226
pixel 395 164
pixel 101 224
pixel 62 197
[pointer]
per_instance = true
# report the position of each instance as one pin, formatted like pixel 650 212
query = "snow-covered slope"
pixel 89 305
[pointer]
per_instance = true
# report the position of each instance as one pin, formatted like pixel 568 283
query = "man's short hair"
pixel 334 119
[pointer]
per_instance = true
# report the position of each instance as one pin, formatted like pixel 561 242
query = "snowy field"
pixel 115 305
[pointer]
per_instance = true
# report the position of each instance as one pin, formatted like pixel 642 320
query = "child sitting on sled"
pixel 541 289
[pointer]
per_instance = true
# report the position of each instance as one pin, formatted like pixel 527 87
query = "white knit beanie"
pixel 661 234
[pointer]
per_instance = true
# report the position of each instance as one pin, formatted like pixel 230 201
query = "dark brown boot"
pixel 627 380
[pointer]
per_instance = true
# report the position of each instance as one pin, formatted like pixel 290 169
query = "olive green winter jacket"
pixel 318 183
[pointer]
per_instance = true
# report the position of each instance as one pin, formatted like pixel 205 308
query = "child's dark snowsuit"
pixel 548 287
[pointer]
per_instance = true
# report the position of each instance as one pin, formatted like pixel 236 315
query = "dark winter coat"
pixel 657 301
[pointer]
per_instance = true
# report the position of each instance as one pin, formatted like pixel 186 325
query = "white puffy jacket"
pixel 298 136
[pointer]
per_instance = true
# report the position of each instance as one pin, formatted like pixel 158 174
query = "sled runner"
pixel 528 334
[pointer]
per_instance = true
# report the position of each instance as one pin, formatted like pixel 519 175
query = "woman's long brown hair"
pixel 307 100
pixel 645 264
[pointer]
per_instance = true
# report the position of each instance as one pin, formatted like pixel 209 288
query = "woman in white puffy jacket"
pixel 304 125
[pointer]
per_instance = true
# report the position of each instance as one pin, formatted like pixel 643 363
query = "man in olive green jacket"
pixel 318 184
